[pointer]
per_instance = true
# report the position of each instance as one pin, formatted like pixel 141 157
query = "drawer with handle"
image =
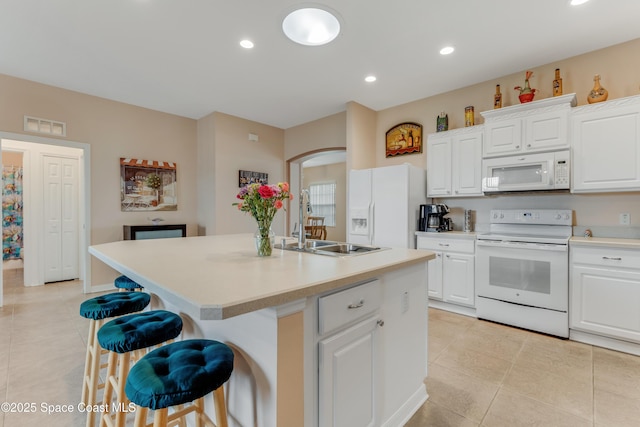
pixel 451 245
pixel 344 307
pixel 604 256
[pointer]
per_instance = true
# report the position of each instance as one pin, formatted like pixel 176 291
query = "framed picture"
pixel 405 138
pixel 248 177
pixel 148 185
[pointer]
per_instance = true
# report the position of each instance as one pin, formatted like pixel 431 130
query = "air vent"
pixel 49 127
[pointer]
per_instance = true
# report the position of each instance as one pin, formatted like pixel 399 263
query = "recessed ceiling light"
pixel 370 79
pixel 446 50
pixel 247 44
pixel 311 26
pixel 578 2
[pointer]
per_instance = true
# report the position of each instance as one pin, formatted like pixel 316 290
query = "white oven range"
pixel 522 269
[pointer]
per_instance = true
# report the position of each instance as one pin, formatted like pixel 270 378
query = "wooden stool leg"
pixel 87 363
pixel 123 371
pixel 109 384
pixel 221 408
pixel 160 417
pixel 141 416
pixel 94 376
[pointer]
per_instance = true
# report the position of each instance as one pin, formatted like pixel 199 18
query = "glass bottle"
pixel 497 98
pixel 557 84
pixel 468 116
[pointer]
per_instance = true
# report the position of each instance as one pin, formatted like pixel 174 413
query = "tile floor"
pixel 484 374
pixel 480 373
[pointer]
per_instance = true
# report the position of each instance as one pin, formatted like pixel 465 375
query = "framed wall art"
pixel 248 177
pixel 405 138
pixel 148 185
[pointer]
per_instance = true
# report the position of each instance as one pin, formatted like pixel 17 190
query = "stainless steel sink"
pixel 330 248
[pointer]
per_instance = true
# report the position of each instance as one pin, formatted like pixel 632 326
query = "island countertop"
pixel 217 277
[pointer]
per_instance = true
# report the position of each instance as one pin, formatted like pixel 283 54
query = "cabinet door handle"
pixel 528 145
pixel 517 146
pixel 445 245
pixel 616 258
pixel 358 305
pixel 448 256
pixel 380 322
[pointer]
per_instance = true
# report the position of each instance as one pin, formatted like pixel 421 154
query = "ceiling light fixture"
pixel 578 2
pixel 247 44
pixel 370 79
pixel 446 50
pixel 311 26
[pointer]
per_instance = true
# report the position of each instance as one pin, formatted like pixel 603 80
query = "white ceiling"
pixel 183 56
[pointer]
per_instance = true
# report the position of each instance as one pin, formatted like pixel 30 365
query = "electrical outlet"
pixel 405 302
pixel 625 219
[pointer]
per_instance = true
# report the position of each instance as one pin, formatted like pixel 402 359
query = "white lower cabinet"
pixel 347 388
pixel 347 356
pixel 452 272
pixel 370 358
pixel 605 292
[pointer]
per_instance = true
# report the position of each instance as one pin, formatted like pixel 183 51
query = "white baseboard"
pixel 406 411
pixel 606 342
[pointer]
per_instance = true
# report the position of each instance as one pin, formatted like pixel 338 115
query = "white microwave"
pixel 527 172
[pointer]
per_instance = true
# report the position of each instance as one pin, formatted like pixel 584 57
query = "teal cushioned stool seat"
pixel 97 310
pixel 126 284
pixel 114 304
pixel 140 330
pixel 127 338
pixel 179 373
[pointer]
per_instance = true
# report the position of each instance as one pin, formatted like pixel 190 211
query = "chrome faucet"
pixel 302 234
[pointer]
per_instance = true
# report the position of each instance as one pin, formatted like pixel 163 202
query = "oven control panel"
pixel 532 216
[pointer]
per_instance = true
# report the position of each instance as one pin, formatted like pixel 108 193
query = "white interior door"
pixel 60 176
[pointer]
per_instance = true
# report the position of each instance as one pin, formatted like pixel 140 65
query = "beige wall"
pixel 334 172
pixel 232 151
pixel 324 133
pixel 113 130
pixel 361 135
pixel 11 158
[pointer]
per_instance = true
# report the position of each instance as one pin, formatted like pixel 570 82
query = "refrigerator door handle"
pixel 372 212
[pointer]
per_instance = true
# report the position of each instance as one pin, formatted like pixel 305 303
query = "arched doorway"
pixel 324 165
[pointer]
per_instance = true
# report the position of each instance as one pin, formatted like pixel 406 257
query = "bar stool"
pixel 179 373
pixel 97 310
pixel 124 284
pixel 127 338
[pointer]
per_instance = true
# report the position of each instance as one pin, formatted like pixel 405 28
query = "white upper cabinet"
pixel 531 127
pixel 454 163
pixel 606 146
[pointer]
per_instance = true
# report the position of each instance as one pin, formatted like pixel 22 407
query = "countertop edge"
pixel 604 241
pixel 220 312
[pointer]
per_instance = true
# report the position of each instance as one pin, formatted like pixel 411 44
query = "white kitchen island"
pixel 318 340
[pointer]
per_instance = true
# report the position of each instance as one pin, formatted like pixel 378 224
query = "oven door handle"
pixel 523 245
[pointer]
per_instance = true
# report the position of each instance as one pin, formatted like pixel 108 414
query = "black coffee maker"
pixel 432 218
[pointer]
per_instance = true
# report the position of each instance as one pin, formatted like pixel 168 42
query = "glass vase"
pixel 265 238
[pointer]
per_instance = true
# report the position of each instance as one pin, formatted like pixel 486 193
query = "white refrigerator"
pixel 384 205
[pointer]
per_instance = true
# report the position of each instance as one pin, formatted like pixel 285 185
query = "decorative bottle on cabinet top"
pixel 469 119
pixel 598 93
pixel 497 98
pixel 442 122
pixel 557 84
